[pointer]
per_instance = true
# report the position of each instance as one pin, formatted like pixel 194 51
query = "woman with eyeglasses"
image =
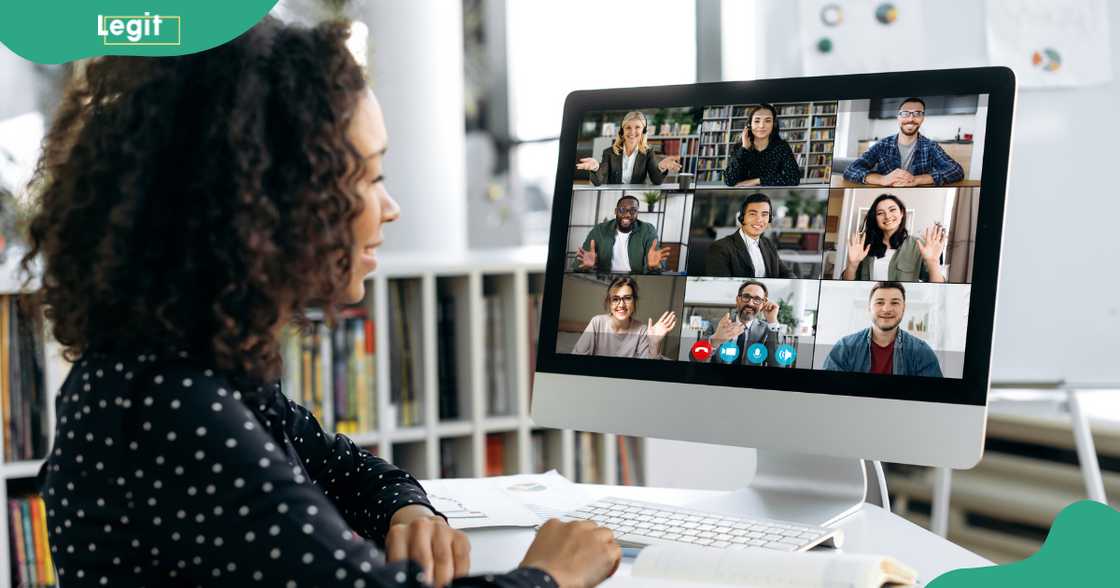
pixel 885 251
pixel 617 333
pixel 629 160
pixel 761 157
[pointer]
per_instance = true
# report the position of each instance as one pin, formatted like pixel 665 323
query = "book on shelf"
pixel 499 384
pixel 447 358
pixel 27 530
pixel 405 367
pixel 538 447
pixel 23 393
pixel 587 458
pixel 447 458
pixel 333 372
pixel 495 454
pixel 534 310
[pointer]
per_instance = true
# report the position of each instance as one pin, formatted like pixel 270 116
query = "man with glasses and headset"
pixel 624 245
pixel 755 321
pixel 906 159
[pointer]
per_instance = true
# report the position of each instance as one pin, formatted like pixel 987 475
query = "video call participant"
pixel 755 321
pixel 624 245
pixel 907 158
pixel 629 160
pixel 884 347
pixel 617 333
pixel 746 253
pixel 887 251
pixel 762 157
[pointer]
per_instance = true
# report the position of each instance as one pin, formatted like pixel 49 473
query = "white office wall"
pixel 558 47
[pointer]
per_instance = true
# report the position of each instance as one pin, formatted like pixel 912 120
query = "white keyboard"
pixel 640 524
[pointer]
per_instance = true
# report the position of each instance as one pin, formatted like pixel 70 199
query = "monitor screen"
pixel 774 242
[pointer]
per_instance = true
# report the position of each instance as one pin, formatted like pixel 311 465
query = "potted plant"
pixel 651 197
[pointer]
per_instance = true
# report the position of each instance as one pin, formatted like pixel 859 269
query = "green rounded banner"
pixel 55 31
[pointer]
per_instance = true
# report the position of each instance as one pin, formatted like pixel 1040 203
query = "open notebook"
pixel 684 565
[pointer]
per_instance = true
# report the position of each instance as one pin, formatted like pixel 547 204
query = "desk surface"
pixel 838 181
pixel 870 530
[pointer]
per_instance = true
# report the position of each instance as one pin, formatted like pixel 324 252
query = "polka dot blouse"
pixel 163 473
pixel 774 166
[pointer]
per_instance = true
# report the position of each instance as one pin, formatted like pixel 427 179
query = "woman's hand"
pixel 416 533
pixel 932 243
pixel 670 164
pixel 857 251
pixel 657 331
pixel 588 164
pixel 577 554
pixel 751 182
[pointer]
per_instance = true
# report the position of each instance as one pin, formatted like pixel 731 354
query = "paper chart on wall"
pixel 862 36
pixel 1051 43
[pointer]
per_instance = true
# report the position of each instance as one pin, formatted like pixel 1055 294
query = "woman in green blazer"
pixel 885 250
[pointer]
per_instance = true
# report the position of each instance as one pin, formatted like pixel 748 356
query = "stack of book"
pixel 31 555
pixel 22 388
pixel 333 372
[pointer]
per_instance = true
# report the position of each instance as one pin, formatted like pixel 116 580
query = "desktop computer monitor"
pixel 777 264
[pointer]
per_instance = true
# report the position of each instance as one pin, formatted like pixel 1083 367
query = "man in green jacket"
pixel 624 245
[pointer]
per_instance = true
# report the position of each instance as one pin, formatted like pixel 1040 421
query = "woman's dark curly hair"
pixel 194 202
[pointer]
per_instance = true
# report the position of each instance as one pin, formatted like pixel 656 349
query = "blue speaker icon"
pixel 785 355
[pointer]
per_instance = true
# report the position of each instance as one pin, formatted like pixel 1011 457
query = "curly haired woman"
pixel 191 207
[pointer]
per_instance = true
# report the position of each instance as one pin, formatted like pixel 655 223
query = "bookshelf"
pixel 475 441
pixel 808 127
pixel 16 477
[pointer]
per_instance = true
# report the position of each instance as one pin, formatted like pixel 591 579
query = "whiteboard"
pixel 1058 309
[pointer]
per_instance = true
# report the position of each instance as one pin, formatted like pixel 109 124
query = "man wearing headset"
pixel 746 253
pixel 907 158
pixel 628 160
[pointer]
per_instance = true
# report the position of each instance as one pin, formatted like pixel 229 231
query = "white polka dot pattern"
pixel 180 476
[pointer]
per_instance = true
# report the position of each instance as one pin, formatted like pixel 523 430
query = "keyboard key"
pixel 720 544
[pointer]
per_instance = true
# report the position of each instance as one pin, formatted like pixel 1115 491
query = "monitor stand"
pixel 797 487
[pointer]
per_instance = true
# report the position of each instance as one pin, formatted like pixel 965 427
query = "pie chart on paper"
pixel 1047 59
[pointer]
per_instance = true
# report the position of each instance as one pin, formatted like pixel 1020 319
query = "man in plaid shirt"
pixel 906 159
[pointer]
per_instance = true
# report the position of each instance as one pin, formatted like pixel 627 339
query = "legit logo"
pixel 140 30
